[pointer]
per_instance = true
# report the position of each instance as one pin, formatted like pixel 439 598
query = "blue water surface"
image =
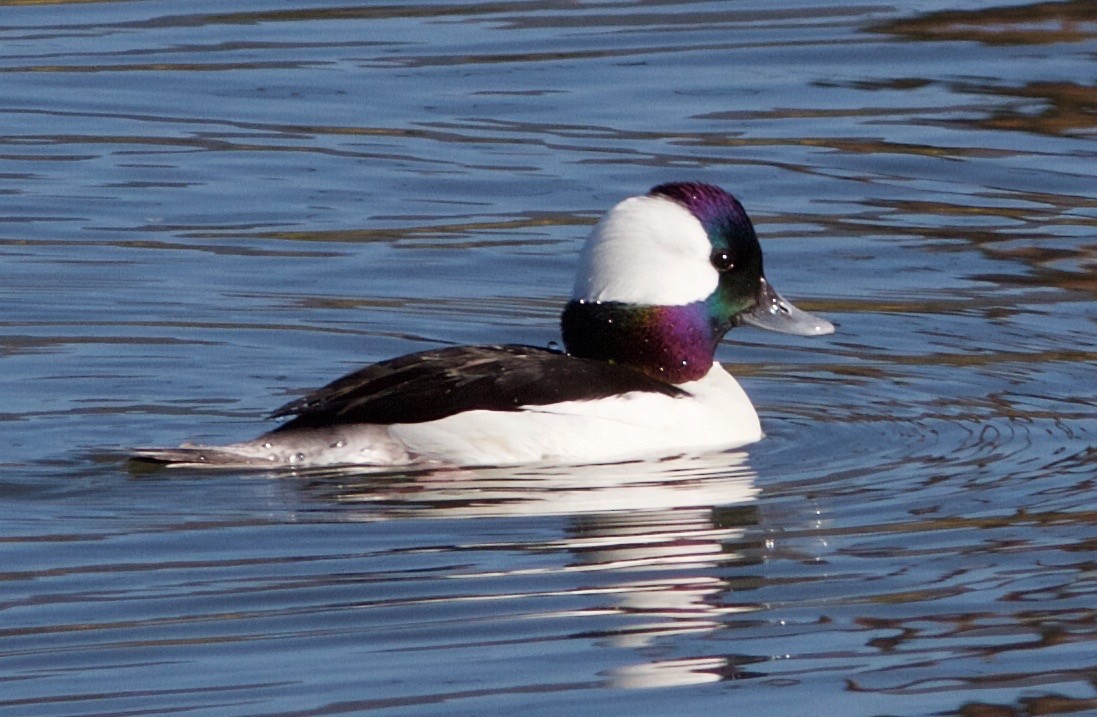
pixel 207 208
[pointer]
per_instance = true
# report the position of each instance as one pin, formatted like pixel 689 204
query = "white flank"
pixel 718 414
pixel 646 250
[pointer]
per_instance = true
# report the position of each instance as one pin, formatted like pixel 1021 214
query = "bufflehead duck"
pixel 661 279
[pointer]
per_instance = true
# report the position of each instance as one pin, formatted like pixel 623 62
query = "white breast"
pixel 718 414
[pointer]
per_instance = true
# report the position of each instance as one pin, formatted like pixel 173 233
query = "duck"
pixel 661 279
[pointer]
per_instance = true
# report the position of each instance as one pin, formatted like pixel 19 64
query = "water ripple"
pixel 206 210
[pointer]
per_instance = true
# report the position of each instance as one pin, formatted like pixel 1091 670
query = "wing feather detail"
pixel 431 385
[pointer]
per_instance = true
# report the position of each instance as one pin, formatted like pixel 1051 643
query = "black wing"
pixel 430 385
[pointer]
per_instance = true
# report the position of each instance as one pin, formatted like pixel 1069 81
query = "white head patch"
pixel 646 250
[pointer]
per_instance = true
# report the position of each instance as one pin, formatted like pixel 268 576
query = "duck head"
pixel 665 275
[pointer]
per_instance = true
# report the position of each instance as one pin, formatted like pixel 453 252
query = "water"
pixel 209 208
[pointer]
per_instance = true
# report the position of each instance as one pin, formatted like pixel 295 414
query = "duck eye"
pixel 722 261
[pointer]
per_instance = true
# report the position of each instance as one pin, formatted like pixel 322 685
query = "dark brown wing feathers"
pixel 430 385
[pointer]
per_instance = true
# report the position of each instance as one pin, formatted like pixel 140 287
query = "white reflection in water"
pixel 661 527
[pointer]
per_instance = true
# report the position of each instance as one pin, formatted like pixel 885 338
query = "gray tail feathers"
pixel 194 456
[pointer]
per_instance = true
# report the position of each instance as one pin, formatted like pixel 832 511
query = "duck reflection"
pixel 655 536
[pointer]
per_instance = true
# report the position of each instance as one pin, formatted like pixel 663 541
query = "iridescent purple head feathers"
pixel 720 213
pixel 663 276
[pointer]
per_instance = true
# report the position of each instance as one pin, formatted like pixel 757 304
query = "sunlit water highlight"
pixel 209 208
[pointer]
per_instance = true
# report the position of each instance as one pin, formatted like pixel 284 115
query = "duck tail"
pixel 192 456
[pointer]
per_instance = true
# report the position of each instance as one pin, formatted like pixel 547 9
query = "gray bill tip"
pixel 776 313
